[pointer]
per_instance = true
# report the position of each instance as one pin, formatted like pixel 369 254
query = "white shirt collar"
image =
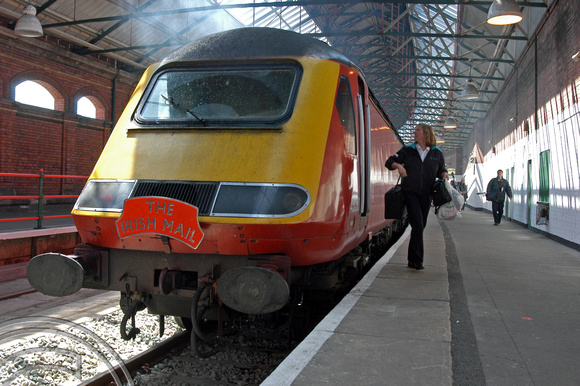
pixel 422 153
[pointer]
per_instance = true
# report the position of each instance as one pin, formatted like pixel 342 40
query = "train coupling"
pixel 55 274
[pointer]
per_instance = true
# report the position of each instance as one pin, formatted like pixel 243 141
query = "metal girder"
pixel 410 50
pixel 432 57
pixel 385 73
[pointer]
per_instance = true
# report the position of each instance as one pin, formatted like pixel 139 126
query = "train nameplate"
pixel 160 216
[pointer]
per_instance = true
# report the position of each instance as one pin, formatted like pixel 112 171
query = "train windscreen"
pixel 207 96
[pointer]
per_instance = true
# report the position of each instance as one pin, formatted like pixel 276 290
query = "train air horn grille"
pixel 199 194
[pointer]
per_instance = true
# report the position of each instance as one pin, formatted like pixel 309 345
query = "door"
pixel 364 149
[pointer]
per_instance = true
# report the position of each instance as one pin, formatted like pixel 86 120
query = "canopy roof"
pixel 417 55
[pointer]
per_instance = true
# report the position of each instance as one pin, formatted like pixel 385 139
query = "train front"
pixel 212 179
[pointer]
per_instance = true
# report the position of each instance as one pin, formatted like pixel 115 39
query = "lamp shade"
pixel 450 123
pixel 470 91
pixel 504 12
pixel 28 25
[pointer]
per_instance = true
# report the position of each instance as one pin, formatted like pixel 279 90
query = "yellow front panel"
pixel 291 154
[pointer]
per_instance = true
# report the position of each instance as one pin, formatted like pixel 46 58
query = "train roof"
pixel 256 42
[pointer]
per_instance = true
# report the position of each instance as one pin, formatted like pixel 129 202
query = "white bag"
pixel 457 199
pixel 448 211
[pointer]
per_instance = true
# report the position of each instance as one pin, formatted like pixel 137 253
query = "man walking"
pixel 462 188
pixel 497 188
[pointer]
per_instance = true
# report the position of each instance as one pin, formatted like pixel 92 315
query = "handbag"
pixel 395 202
pixel 440 193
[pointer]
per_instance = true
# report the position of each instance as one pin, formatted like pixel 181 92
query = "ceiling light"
pixel 439 139
pixel 28 25
pixel 504 12
pixel 470 91
pixel 450 123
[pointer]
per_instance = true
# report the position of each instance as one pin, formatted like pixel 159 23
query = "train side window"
pixel 346 113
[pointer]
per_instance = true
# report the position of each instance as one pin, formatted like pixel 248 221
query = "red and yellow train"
pixel 249 163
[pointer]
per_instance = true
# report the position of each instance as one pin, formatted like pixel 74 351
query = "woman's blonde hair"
pixel 430 139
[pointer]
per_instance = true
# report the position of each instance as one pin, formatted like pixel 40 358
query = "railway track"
pixel 173 362
pixel 142 362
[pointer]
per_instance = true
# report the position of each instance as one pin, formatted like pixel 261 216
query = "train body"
pixel 250 162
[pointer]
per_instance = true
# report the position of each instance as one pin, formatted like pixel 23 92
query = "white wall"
pixel 560 133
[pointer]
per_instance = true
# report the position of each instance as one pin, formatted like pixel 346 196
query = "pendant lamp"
pixel 450 123
pixel 28 25
pixel 470 91
pixel 504 12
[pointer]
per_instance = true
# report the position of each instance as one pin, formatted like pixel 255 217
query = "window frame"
pixel 351 129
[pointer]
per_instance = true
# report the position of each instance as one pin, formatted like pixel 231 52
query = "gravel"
pixel 44 350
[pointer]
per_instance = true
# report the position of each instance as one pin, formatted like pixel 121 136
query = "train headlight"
pixel 105 195
pixel 260 200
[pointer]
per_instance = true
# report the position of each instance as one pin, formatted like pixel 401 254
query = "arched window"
pixel 90 104
pixel 32 93
pixel 86 108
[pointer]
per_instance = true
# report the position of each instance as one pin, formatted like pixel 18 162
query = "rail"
pixel 40 197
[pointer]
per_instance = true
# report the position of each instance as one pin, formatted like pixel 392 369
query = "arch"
pixel 61 99
pixel 96 99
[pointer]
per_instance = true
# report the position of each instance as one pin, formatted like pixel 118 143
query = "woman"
pixel 419 163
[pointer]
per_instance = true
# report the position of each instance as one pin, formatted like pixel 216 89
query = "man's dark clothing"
pixel 462 188
pixel 497 188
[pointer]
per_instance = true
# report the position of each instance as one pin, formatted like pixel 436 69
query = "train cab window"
pixel 206 96
pixel 346 113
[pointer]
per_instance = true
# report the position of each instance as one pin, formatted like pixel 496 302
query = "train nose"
pixel 253 290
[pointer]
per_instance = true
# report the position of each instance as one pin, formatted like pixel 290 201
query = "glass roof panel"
pixel 432 19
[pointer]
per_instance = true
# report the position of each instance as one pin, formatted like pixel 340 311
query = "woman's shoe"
pixel 417 266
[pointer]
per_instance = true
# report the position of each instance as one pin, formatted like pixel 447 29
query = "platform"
pixel 495 305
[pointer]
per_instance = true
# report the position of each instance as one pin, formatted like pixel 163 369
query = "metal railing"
pixel 40 197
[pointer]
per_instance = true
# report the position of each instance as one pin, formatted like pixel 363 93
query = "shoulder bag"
pixel 395 202
pixel 441 194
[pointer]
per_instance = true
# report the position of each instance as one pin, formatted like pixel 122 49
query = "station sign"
pixel 160 216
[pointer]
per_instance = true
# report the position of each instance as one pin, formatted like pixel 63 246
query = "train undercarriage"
pixel 197 289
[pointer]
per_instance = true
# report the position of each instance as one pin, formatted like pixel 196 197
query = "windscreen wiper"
pixel 175 104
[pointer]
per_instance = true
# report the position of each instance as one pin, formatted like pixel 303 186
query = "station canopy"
pixel 417 56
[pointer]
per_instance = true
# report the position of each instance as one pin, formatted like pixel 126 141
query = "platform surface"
pixel 495 305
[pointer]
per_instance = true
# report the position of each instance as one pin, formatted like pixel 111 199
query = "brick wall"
pixel 58 141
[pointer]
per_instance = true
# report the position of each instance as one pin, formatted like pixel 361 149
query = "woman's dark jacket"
pixel 420 174
pixel 497 189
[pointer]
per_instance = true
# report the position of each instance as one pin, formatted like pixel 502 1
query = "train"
pixel 245 174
